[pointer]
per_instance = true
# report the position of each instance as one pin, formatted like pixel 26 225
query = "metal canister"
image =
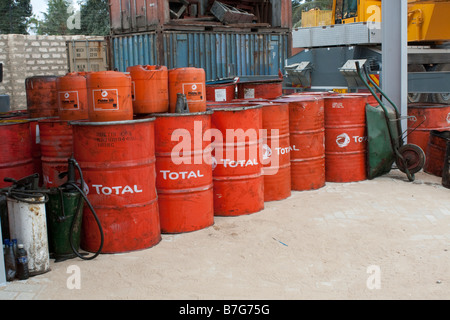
pixel 28 224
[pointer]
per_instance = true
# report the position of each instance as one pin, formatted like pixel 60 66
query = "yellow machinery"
pixel 348 30
pixel 425 18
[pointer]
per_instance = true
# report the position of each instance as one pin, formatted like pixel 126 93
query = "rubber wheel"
pixel 414 157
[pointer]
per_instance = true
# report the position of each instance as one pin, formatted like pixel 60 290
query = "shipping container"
pixel 130 16
pixel 221 54
pixel 87 55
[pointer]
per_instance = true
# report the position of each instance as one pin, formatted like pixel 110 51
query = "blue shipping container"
pixel 221 55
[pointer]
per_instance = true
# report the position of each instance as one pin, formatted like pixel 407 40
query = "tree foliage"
pixel 60 18
pixel 15 16
pixel 55 19
pixel 95 17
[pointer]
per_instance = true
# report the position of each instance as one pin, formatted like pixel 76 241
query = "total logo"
pixel 448 118
pixel 267 152
pixel 344 140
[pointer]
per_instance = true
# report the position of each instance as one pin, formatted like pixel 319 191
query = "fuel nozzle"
pixel 70 174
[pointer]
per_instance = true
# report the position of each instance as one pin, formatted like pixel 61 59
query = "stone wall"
pixel 25 56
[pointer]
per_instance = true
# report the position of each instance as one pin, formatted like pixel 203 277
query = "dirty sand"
pixel 381 239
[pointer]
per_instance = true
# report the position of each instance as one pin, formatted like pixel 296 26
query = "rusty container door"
pixel 42 98
pixel 276 151
pixel 345 138
pixel 56 148
pixel 184 171
pixel 72 96
pixel 16 159
pixel 150 88
pixel 109 96
pixel 117 159
pixel 423 118
pixel 307 142
pixel 237 169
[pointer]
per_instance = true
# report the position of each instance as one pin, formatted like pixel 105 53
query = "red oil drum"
pixel 16 159
pixel 370 98
pixel 276 151
pixel 345 138
pixel 42 97
pixel 72 96
pixel 184 171
pixel 435 154
pixel 109 96
pixel 260 89
pixel 117 159
pixel 150 88
pixel 190 82
pixel 307 144
pixel 221 92
pixel 56 148
pixel 237 169
pixel 423 118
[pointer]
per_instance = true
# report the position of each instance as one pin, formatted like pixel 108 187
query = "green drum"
pixel 61 210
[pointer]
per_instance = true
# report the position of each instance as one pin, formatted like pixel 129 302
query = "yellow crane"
pixel 428 28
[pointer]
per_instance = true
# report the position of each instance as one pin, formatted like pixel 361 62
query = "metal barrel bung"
pixel 184 171
pixel 109 96
pixel 423 118
pixel 345 138
pixel 42 98
pixel 16 160
pixel 190 82
pixel 72 96
pixel 221 91
pixel 265 89
pixel 435 152
pixel 237 169
pixel 276 151
pixel 56 148
pixel 150 88
pixel 117 159
pixel 307 145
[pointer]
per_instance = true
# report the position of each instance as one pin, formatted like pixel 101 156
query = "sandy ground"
pixel 381 239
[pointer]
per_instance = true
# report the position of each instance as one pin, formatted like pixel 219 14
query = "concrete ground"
pixel 381 239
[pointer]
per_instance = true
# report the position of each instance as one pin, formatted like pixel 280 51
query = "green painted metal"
pixel 61 211
pixel 380 154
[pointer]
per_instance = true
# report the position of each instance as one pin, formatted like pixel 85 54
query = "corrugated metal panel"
pixel 137 49
pixel 222 55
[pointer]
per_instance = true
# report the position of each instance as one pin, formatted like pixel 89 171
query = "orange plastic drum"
pixel 276 151
pixel 16 159
pixel 184 171
pixel 56 148
pixel 109 96
pixel 423 118
pixel 42 98
pixel 237 169
pixel 117 159
pixel 190 82
pixel 345 138
pixel 72 96
pixel 150 88
pixel 307 144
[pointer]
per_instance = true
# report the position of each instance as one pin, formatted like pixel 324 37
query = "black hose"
pixel 74 185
